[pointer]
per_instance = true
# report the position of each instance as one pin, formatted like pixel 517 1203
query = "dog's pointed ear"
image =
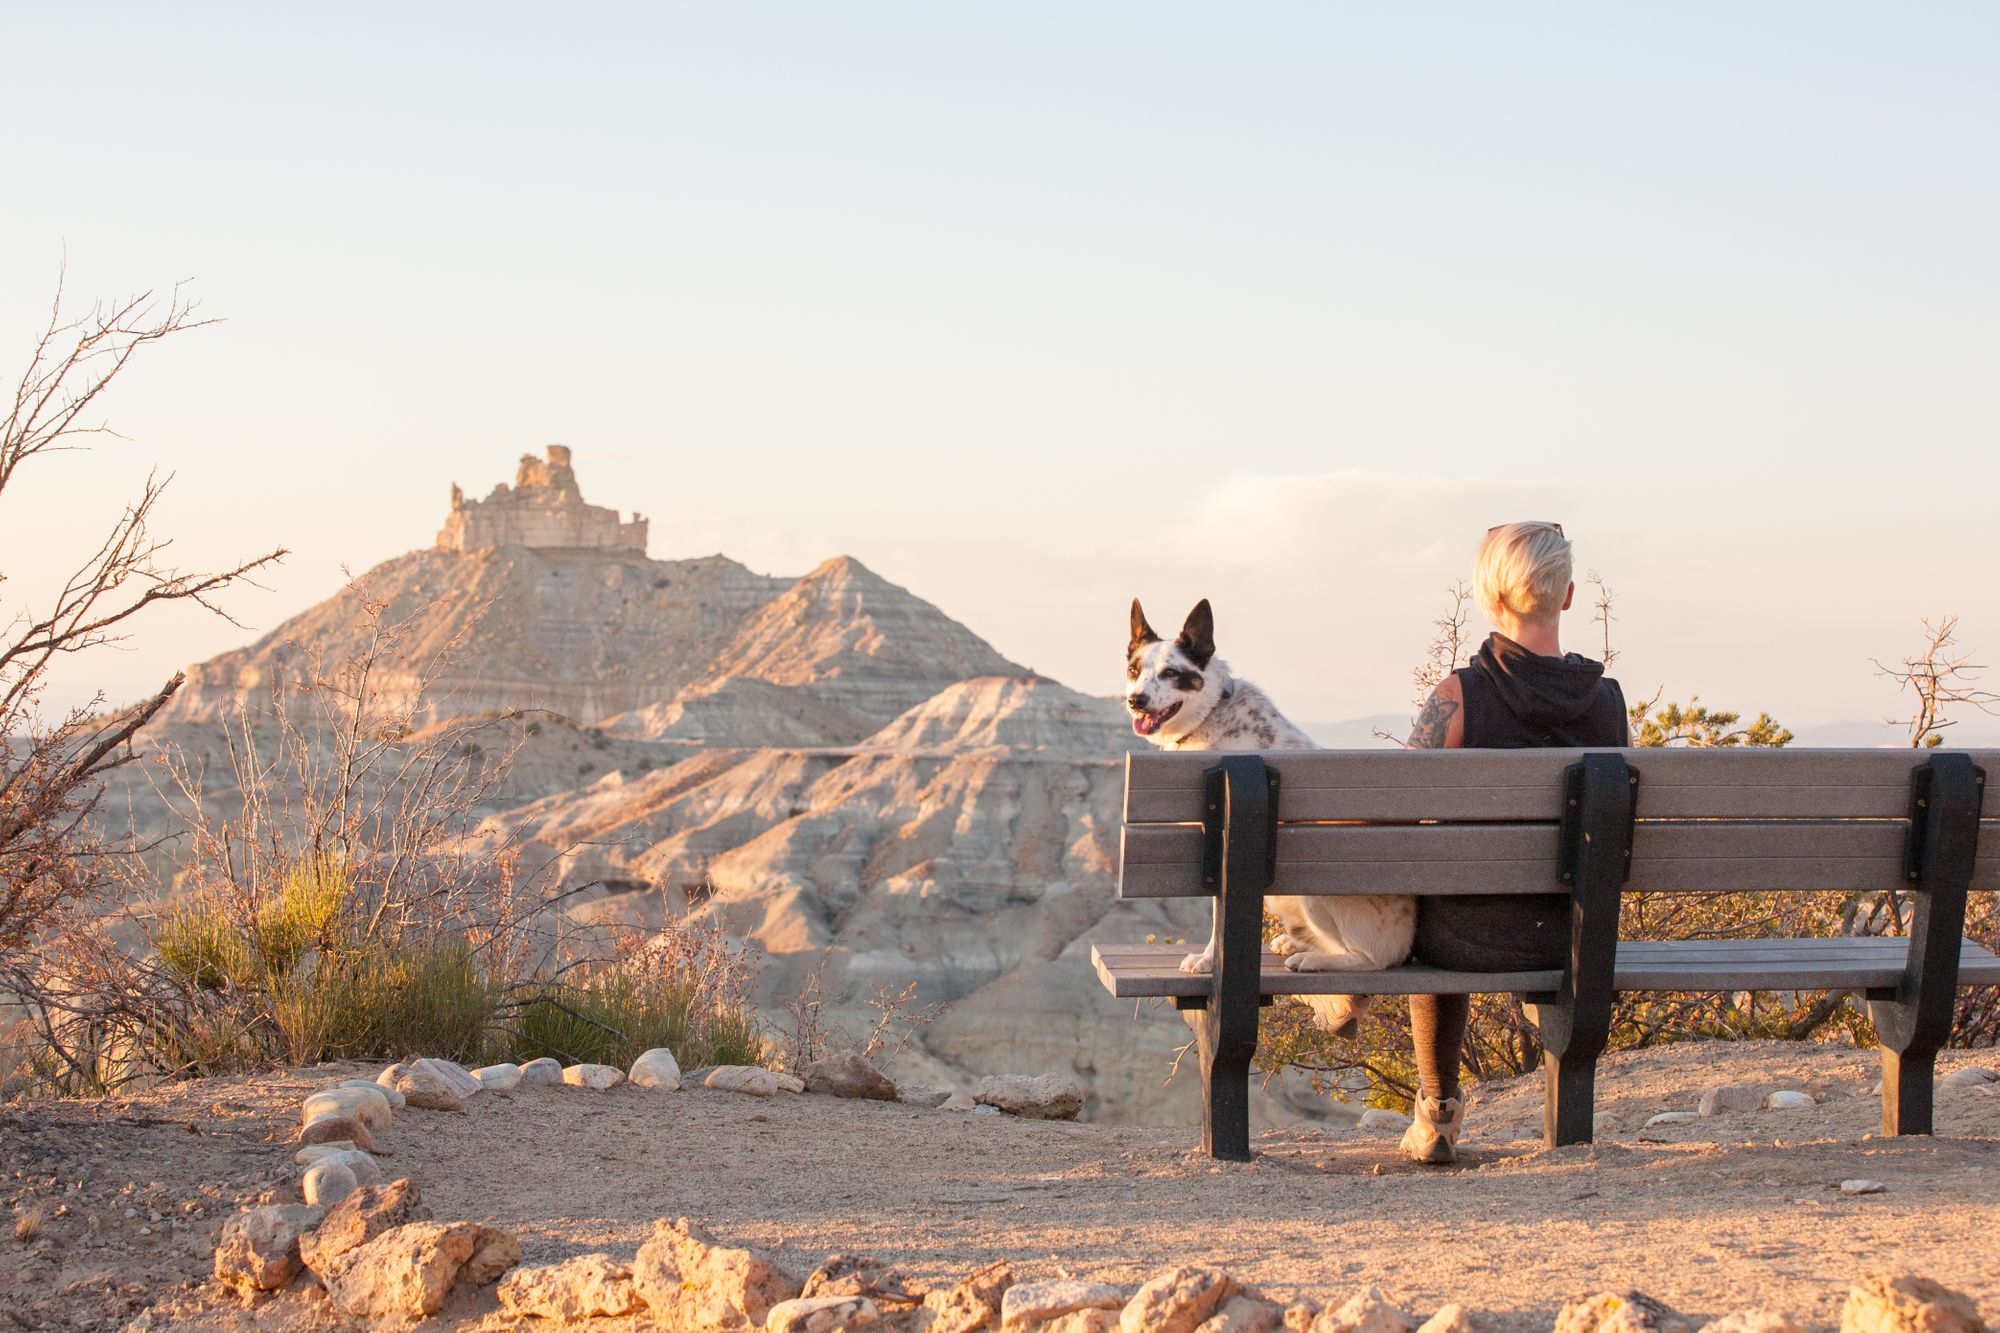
pixel 1142 633
pixel 1197 637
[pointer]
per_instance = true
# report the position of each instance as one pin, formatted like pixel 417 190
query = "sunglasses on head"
pixel 1556 526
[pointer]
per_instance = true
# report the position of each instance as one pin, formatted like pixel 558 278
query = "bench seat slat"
pixel 1152 970
pixel 1164 861
pixel 1527 784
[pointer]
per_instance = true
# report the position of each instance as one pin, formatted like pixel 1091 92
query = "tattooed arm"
pixel 1441 724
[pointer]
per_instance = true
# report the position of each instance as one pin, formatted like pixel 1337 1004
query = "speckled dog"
pixel 1183 697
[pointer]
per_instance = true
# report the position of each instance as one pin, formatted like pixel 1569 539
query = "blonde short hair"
pixel 1524 569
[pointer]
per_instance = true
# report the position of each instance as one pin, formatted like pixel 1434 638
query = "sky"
pixel 1034 308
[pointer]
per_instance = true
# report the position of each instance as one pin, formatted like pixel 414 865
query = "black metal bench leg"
pixel 1225 1088
pixel 1569 1075
pixel 1914 1021
pixel 1241 828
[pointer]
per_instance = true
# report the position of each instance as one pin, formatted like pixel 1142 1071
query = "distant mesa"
pixel 543 510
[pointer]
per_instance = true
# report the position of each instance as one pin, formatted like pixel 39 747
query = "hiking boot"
pixel 1434 1127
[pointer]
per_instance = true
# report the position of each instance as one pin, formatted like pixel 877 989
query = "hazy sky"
pixel 1035 307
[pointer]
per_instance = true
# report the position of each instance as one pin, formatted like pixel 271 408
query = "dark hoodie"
pixel 1518 700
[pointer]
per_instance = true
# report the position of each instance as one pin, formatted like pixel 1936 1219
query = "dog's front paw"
pixel 1198 962
pixel 1310 960
pixel 1283 945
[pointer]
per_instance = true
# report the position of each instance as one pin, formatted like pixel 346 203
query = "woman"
pixel 1521 690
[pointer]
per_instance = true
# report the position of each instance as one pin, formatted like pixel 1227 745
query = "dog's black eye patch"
pixel 1186 680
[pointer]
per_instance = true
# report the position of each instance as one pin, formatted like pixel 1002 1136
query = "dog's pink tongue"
pixel 1143 724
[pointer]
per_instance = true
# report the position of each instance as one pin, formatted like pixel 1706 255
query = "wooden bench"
pixel 1594 823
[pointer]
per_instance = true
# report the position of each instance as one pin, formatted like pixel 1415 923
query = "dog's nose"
pixel 1135 701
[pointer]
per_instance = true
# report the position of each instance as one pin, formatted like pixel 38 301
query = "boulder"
pixel 1453 1318
pixel 423 1088
pixel 1179 1300
pixel 368 1106
pixel 1378 1120
pixel 972 1303
pixel 544 1072
pixel 259 1249
pixel 821 1314
pixel 1908 1304
pixel 327 1183
pixel 389 1094
pixel 456 1076
pixel 1027 1305
pixel 601 1077
pixel 358 1219
pixel 1730 1098
pixel 742 1078
pixel 337 1129
pixel 849 1076
pixel 688 1281
pixel 1970 1077
pixel 406 1272
pixel 588 1286
pixel 917 1095
pixel 656 1068
pixel 1245 1314
pixel 498 1078
pixel 1762 1319
pixel 1048 1097
pixel 1621 1312
pixel 314 1152
pixel 1366 1311
pixel 1788 1099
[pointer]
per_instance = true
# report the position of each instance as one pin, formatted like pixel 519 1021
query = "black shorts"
pixel 1494 932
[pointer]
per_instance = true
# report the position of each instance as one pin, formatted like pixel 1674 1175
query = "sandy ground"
pixel 1736 1210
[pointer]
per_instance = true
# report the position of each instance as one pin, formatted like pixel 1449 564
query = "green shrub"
pixel 615 1012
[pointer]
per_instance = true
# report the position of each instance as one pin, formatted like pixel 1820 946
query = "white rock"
pixel 789 1082
pixel 1048 1097
pixel 545 1072
pixel 1788 1100
pixel 1861 1186
pixel 423 1088
pixel 367 1171
pixel 313 1152
pixel 657 1068
pixel 958 1101
pixel 1969 1077
pixel 456 1076
pixel 394 1098
pixel 498 1078
pixel 1029 1303
pixel 1376 1120
pixel 742 1078
pixel 370 1109
pixel 1674 1118
pixel 601 1077
pixel 821 1314
pixel 327 1183
pixel 1717 1100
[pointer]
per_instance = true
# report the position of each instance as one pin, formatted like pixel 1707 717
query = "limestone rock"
pixel 1299 1316
pixel 327 1183
pixel 1621 1312
pixel 544 509
pixel 1366 1311
pixel 585 1287
pixel 657 1068
pixel 849 1076
pixel 1378 1120
pixel 1455 1318
pixel 544 1072
pixel 423 1088
pixel 742 1078
pixel 498 1078
pixel 337 1129
pixel 358 1219
pixel 1082 1321
pixel 1730 1098
pixel 1048 1097
pixel 601 1077
pixel 688 1281
pixel 389 1094
pixel 455 1076
pixel 407 1272
pixel 1861 1185
pixel 958 1101
pixel 370 1107
pixel 972 1303
pixel 1908 1304
pixel 1970 1077
pixel 1762 1319
pixel 821 1314
pixel 314 1152
pixel 1029 1304
pixel 1176 1301
pixel 259 1249
pixel 1788 1100
pixel 791 1083
pixel 917 1095
pixel 1673 1118
pixel 1245 1314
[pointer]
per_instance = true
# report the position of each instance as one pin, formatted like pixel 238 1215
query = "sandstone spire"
pixel 544 509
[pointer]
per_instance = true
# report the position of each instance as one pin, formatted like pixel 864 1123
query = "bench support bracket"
pixel 1600 794
pixel 1915 1024
pixel 1240 820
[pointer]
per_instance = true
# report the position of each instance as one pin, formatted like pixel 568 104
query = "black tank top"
pixel 1518 700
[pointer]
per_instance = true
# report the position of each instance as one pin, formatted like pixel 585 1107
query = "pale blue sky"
pixel 1033 307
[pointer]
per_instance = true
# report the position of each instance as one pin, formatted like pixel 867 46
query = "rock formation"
pixel 544 510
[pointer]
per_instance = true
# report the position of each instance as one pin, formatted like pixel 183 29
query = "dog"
pixel 1183 697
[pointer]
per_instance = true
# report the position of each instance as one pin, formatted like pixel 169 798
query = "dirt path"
pixel 1736 1210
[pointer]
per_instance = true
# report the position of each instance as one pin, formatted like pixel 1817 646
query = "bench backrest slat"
pixel 1709 820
